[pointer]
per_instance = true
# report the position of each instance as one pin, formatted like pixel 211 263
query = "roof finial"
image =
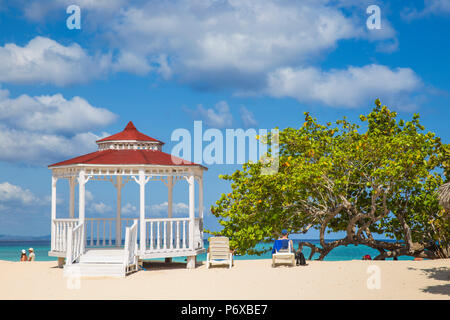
pixel 130 126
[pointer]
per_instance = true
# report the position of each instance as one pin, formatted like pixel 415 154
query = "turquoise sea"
pixel 10 250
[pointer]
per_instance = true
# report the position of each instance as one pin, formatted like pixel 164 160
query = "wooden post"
pixel 53 237
pixel 191 181
pixel 119 212
pixel 142 181
pixel 82 180
pixel 169 211
pixel 200 207
pixel 72 183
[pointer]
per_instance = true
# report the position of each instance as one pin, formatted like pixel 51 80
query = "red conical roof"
pixel 129 133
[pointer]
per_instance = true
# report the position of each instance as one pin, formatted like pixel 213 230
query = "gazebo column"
pixel 169 209
pixel 72 183
pixel 82 180
pixel 118 186
pixel 191 182
pixel 200 206
pixel 142 181
pixel 53 238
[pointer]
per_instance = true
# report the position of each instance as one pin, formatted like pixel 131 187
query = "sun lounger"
pixel 219 252
pixel 282 252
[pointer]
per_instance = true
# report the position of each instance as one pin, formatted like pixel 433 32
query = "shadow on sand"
pixel 162 266
pixel 440 274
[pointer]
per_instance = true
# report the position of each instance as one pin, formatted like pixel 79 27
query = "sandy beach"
pixel 248 279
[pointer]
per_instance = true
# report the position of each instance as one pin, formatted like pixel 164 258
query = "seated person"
pixel 283 243
pixel 31 256
pixel 23 256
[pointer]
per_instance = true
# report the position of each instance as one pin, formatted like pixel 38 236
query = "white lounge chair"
pixel 219 252
pixel 283 254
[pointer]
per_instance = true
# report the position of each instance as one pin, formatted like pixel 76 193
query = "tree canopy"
pixel 379 178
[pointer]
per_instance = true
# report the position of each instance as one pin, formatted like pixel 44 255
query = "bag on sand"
pixel 300 259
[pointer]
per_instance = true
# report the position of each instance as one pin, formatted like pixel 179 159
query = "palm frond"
pixel 444 196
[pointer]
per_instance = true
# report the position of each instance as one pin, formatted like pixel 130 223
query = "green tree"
pixel 377 180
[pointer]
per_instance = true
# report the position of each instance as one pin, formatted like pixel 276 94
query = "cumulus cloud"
pixel 10 192
pixel 244 45
pixel 247 117
pixel 229 43
pixel 100 207
pixel 52 113
pixel 42 130
pixel 351 87
pixel 219 116
pixel 431 7
pixel 177 207
pixel 44 60
pixel 14 198
pixel 129 209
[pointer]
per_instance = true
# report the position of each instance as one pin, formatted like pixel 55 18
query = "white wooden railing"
pixel 171 234
pixel 130 250
pixel 100 232
pixel 75 243
pixel 60 227
pixel 198 233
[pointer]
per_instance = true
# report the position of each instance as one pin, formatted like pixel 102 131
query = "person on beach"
pixel 23 256
pixel 284 236
pixel 31 256
pixel 299 257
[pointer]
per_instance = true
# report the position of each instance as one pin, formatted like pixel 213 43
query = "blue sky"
pixel 230 64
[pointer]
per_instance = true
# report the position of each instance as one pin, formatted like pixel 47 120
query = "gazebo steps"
pixel 108 256
pixel 95 270
pixel 98 263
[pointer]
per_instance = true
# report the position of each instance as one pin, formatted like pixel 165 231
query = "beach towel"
pixel 280 244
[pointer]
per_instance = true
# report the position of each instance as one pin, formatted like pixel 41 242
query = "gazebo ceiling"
pixel 129 147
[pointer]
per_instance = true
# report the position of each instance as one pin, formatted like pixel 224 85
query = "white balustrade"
pixel 75 243
pixel 168 234
pixel 130 248
pixel 100 232
pixel 59 236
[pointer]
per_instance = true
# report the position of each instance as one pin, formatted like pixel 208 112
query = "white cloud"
pixel 248 118
pixel 177 207
pixel 229 42
pixel 88 196
pixel 431 7
pixel 41 9
pixel 52 114
pixel 129 209
pixel 219 116
pixel 45 129
pixel 15 199
pixel 10 192
pixel 44 60
pixel 352 87
pixel 100 207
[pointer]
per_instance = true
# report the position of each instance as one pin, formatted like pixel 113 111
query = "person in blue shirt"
pixel 279 245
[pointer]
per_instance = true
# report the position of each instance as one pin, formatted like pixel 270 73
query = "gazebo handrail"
pixel 167 219
pixel 65 219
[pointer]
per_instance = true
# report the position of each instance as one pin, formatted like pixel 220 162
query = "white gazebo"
pixel 86 243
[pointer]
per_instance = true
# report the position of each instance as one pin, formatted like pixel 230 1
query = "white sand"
pixel 248 279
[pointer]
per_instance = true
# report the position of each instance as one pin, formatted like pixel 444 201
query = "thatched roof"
pixel 444 196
